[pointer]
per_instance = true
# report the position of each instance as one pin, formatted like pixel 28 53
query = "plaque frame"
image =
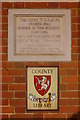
pixel 11 35
pixel 57 81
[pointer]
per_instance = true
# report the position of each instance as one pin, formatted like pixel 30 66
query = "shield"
pixel 42 84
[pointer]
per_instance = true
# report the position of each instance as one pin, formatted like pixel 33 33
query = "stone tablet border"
pixel 11 35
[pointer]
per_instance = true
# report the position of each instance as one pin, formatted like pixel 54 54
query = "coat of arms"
pixel 42 84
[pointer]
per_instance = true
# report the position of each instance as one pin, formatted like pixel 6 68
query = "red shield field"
pixel 42 84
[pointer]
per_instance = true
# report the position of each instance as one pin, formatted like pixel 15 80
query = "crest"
pixel 42 84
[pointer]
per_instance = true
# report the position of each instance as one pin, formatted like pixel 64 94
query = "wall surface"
pixel 14 73
pixel 0 58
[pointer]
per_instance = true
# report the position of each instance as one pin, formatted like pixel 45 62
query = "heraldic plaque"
pixel 42 88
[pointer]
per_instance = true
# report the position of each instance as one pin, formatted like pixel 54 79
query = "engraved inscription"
pixel 40 35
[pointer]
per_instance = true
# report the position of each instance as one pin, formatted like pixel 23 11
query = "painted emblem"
pixel 42 84
pixel 42 88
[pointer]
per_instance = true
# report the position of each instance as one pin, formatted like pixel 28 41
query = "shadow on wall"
pixel 75 116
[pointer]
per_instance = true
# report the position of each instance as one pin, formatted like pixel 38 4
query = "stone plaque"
pixel 39 35
pixel 42 88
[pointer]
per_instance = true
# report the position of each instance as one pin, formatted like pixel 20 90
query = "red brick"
pixel 73 27
pixel 17 87
pixel 20 109
pixel 75 34
pixel 69 5
pixel 0 35
pixel 4 26
pixel 0 26
pixel 52 5
pixel 4 42
pixel 62 71
pixel 0 49
pixel 79 27
pixel 73 12
pixel 71 71
pixel 1 19
pixel 0 4
pixel 29 115
pixel 69 109
pixel 18 102
pixel 8 109
pixel 4 49
pixel 4 72
pixel 5 12
pixel 20 94
pixel 0 102
pixel 0 65
pixel 62 87
pixel 4 116
pixel 7 64
pixel 68 75
pixel 78 71
pixel 0 75
pixel 79 102
pixel 79 12
pixel 41 64
pixel 7 94
pixel 20 79
pixel 72 86
pixel 4 19
pixel 74 57
pixel 18 4
pixel 4 87
pixel 62 102
pixel 79 65
pixel 74 20
pixel 68 64
pixel 7 79
pixel 5 34
pixel 55 116
pixel 15 72
pixel 4 101
pixel 0 57
pixel 0 110
pixel 75 49
pixel 0 42
pixel 38 5
pixel 74 43
pixel 69 94
pixel 72 102
pixel 7 4
pixel 79 57
pixel 69 79
pixel 78 49
pixel 69 115
pixel 4 57
pixel 79 88
pixel 18 65
pixel 27 4
pixel 39 116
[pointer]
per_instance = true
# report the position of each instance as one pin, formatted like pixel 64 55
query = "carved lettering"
pixel 39 35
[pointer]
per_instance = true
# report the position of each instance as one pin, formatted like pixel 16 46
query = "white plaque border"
pixel 11 34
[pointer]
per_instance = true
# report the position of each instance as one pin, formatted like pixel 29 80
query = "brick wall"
pixel 14 73
pixel 0 58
